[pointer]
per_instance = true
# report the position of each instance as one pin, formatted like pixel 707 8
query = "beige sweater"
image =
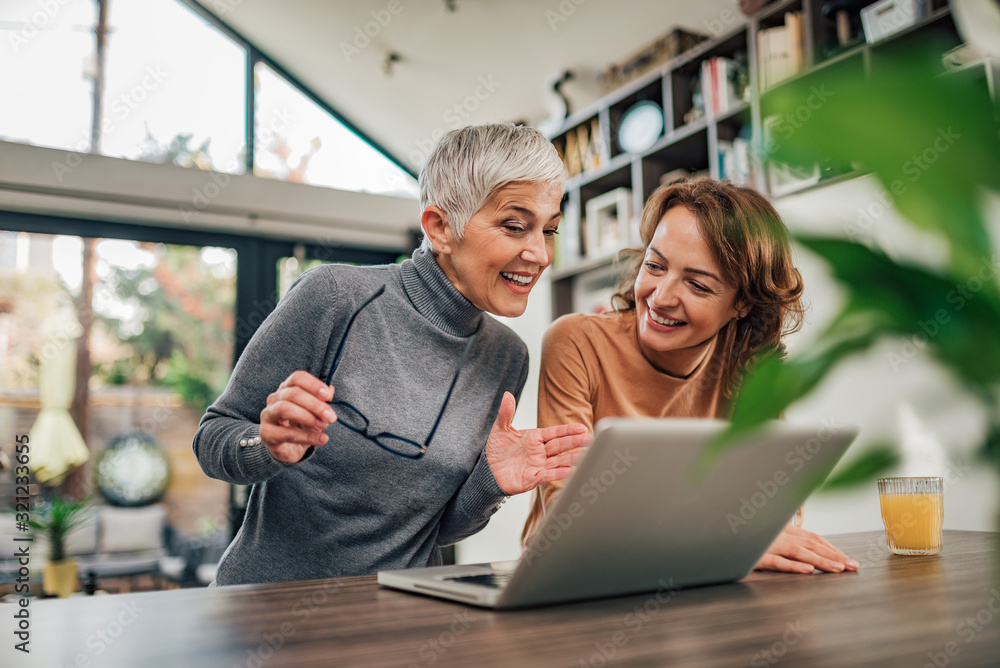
pixel 592 368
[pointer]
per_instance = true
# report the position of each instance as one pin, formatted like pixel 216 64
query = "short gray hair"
pixel 468 165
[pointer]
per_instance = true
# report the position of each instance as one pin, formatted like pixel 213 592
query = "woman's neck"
pixel 679 363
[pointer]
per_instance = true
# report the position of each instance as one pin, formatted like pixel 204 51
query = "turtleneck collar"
pixel 436 298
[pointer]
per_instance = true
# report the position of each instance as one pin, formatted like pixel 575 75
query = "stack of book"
pixel 782 50
pixel 718 81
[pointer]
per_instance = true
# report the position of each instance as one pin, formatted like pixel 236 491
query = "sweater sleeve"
pixel 565 395
pixel 480 496
pixel 285 342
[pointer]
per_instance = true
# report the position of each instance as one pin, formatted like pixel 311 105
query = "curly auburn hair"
pixel 753 248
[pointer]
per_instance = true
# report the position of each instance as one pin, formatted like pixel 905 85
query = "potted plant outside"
pixel 55 521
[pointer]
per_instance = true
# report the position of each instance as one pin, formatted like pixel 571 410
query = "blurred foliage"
pixel 873 463
pixel 178 151
pixel 933 142
pixel 180 332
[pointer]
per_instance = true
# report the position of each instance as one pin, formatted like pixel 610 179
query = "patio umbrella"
pixel 56 444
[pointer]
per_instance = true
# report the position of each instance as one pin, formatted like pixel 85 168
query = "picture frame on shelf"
pixel 608 219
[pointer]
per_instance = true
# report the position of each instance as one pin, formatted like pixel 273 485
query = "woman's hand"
pixel 799 551
pixel 295 416
pixel 522 460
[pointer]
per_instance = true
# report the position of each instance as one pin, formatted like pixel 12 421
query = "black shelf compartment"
pixel 776 15
pixel 775 18
pixel 617 178
pixel 689 153
pixel 685 77
pixel 852 62
pixel 766 14
pixel 848 65
pixel 825 25
pixel 936 33
pixel 560 142
pixel 651 92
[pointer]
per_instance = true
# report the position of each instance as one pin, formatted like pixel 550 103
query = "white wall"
pixel 867 390
pixel 500 540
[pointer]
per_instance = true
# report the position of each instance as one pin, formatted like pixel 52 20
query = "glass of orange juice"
pixel 913 514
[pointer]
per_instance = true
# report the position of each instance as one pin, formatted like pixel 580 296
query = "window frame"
pixel 254 56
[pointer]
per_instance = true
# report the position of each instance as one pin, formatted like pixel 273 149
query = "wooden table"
pixel 897 611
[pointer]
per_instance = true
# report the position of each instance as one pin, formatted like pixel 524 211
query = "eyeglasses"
pixel 349 416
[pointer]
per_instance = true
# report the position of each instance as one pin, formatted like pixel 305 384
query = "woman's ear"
pixel 437 229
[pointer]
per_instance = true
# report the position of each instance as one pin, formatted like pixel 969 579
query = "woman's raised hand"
pixel 522 460
pixel 296 415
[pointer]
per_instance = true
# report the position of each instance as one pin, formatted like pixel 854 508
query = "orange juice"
pixel 913 522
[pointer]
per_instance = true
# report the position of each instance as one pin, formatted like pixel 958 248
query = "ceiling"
pixel 484 61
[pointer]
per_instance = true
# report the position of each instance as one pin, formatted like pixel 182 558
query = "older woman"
pixel 371 411
pixel 713 287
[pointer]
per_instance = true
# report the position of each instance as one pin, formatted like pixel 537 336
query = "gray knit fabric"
pixel 350 507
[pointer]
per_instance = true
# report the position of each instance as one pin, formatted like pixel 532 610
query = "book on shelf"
pixel 781 50
pixel 734 160
pixel 720 80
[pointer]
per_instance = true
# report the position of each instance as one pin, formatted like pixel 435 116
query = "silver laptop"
pixel 647 510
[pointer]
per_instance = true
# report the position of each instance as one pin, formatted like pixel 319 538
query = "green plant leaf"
pixel 863 469
pixel 57 518
pixel 931 140
pixel 957 325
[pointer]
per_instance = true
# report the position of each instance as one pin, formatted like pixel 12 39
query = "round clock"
pixel 641 126
pixel 133 470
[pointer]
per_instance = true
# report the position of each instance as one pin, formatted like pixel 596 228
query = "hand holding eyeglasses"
pixel 522 460
pixel 296 415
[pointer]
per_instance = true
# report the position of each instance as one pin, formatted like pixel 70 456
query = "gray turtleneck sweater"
pixel 350 507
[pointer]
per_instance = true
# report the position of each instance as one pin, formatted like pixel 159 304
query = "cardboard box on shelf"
pixel 674 43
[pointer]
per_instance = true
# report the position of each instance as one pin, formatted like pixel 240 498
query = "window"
pixel 296 140
pixel 176 88
pixel 46 65
pixel 160 346
pixel 174 92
